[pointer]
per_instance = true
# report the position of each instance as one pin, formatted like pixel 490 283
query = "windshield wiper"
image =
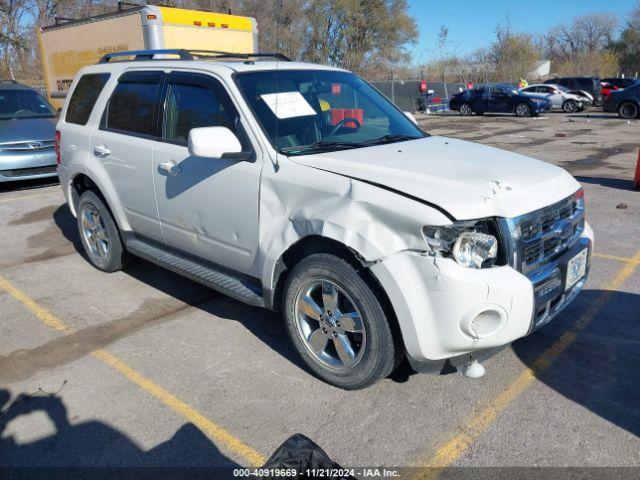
pixel 391 139
pixel 322 145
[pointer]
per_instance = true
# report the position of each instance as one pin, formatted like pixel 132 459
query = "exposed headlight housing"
pixel 471 244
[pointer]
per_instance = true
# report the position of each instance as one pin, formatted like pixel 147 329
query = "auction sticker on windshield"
pixel 576 268
pixel 288 104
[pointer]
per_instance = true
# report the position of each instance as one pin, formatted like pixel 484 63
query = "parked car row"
pixel 570 95
pixel 499 99
pixel 27 128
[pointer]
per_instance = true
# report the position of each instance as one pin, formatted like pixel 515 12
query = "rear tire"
pixel 337 323
pixel 466 109
pixel 522 110
pixel 99 234
pixel 628 110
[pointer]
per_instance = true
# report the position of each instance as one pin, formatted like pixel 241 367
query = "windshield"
pixel 309 111
pixel 24 104
pixel 561 88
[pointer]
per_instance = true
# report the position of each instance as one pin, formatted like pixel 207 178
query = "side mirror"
pixel 213 142
pixel 411 117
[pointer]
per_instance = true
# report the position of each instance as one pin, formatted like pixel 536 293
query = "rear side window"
pixel 84 97
pixel 133 106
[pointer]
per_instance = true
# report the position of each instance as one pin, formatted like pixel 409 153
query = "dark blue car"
pixel 499 99
pixel 626 102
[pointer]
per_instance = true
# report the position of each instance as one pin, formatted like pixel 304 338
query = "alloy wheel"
pixel 522 110
pixel 330 324
pixel 94 231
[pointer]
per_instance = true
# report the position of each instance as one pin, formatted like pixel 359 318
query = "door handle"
pixel 170 167
pixel 101 151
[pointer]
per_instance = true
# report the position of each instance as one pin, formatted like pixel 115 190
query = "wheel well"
pixel 80 184
pixel 318 244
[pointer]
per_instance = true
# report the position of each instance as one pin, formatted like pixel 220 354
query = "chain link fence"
pixel 407 96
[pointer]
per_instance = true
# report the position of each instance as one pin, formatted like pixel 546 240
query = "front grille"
pixel 33 146
pixel 27 172
pixel 547 233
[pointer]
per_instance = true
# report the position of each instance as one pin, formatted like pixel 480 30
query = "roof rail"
pixel 184 54
pixel 8 80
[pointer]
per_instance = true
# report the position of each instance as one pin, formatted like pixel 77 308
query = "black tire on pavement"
pixel 379 349
pixel 570 106
pixel 99 234
pixel 628 110
pixel 466 109
pixel 522 110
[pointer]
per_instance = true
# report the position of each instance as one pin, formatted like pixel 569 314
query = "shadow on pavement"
pixel 92 448
pixel 264 324
pixel 616 183
pixel 28 184
pixel 600 370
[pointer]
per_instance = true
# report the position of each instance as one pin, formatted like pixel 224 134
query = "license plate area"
pixel 576 268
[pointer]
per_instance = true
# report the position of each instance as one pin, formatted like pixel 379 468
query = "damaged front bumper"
pixel 446 310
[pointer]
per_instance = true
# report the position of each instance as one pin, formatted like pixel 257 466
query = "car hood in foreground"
pixel 26 129
pixel 466 179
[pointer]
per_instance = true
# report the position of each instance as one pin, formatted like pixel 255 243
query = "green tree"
pixel 512 55
pixel 627 47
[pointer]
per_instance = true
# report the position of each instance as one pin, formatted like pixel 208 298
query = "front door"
pixel 208 207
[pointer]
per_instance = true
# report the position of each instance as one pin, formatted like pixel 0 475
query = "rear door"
pixel 479 100
pixel 500 100
pixel 209 206
pixel 123 146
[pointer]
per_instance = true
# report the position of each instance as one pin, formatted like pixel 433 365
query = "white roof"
pixel 226 66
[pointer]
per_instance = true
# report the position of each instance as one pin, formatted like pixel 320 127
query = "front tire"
pixel 570 106
pixel 522 110
pixel 628 111
pixel 337 323
pixel 99 234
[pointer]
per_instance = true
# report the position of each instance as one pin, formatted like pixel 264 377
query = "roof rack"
pixel 184 54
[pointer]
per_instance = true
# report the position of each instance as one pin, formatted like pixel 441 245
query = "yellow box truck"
pixel 70 45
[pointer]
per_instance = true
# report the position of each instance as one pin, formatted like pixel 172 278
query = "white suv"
pixel 301 188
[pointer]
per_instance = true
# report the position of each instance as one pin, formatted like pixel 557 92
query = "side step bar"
pixel 215 279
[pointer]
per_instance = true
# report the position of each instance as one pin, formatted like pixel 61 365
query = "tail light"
pixel 56 146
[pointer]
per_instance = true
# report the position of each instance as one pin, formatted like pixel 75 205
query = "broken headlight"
pixel 471 244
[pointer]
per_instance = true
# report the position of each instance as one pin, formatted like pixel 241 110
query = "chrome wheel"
pixel 94 231
pixel 465 109
pixel 570 106
pixel 330 324
pixel 522 110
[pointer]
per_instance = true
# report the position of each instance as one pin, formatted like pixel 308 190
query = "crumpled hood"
pixel 466 179
pixel 25 129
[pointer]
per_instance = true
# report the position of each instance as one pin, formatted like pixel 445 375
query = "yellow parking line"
pixel 210 428
pixel 615 257
pixel 44 315
pixel 459 443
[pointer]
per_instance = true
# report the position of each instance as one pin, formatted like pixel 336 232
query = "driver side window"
pixel 194 101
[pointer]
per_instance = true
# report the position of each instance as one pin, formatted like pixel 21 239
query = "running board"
pixel 218 280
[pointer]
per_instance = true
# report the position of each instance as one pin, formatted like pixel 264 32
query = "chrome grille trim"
pixel 536 238
pixel 30 146
pixel 28 172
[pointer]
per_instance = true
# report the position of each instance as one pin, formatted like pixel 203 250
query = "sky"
pixel 472 23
